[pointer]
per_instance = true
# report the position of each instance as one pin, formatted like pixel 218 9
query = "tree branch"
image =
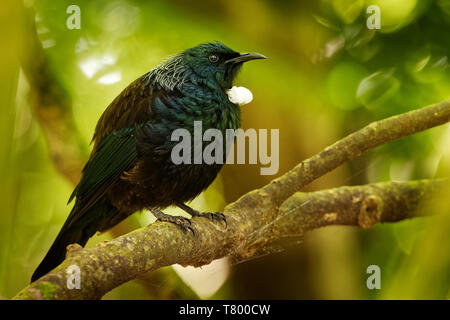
pixel 353 145
pixel 376 133
pixel 258 220
pixel 112 263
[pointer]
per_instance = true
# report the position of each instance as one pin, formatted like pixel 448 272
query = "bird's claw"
pixel 213 216
pixel 183 223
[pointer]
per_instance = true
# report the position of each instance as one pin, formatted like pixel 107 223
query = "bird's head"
pixel 215 61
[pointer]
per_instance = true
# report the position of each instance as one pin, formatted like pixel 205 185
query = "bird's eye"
pixel 213 58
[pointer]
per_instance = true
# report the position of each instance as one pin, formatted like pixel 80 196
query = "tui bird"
pixel 130 166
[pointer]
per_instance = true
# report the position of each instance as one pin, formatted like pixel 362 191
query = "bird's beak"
pixel 243 57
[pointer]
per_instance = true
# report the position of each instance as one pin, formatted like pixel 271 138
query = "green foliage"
pixel 327 75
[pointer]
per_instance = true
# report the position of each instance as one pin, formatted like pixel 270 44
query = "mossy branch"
pixel 259 221
pixel 161 244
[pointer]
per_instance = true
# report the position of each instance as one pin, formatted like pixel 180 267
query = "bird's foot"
pixel 213 216
pixel 181 222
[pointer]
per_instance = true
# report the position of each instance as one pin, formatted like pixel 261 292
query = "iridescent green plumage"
pixel 130 167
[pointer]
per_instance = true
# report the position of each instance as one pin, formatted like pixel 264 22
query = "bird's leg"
pixel 182 222
pixel 213 216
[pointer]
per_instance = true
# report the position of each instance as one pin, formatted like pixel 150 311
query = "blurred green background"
pixel 327 75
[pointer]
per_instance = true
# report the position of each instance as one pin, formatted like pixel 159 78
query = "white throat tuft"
pixel 239 95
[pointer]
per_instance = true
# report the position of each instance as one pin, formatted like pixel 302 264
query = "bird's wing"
pixel 115 155
pixel 132 106
pixel 115 141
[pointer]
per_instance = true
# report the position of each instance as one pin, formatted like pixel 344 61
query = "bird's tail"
pixel 78 231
